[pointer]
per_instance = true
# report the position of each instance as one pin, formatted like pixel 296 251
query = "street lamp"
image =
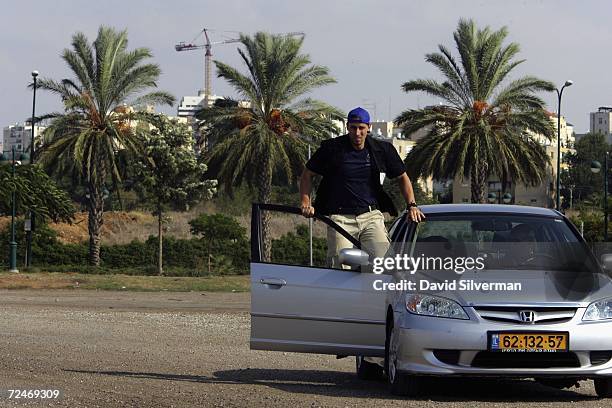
pixel 34 76
pixel 596 168
pixel 559 95
pixel 31 215
pixel 13 242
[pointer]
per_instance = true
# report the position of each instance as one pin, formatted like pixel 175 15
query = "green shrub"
pixel 46 249
pixel 222 242
pixel 182 257
pixel 292 249
pixel 593 225
pixel 134 254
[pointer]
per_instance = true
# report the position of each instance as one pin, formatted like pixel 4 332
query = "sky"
pixel 370 47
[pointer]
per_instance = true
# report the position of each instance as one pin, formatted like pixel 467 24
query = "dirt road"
pixel 111 349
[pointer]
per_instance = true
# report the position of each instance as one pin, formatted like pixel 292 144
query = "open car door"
pixel 313 309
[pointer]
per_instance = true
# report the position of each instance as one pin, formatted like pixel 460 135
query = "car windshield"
pixel 502 242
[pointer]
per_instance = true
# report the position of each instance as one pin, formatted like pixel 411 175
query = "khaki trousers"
pixel 369 228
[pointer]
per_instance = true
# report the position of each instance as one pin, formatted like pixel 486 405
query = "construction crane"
pixel 183 46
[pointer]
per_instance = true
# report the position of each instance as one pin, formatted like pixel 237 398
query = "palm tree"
pixel 481 128
pixel 94 127
pixel 269 135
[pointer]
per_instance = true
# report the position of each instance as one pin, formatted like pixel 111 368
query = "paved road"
pixel 118 349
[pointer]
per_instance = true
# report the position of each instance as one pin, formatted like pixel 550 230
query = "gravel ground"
pixel 117 349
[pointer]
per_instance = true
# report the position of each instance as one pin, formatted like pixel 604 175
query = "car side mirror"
pixel 353 257
pixel 606 262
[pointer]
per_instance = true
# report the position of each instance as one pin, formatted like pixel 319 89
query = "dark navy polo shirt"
pixel 345 171
pixel 352 183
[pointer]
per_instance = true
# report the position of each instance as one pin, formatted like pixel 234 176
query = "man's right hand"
pixel 308 211
pixel 305 187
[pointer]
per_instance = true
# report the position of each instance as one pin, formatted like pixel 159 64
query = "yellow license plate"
pixel 529 341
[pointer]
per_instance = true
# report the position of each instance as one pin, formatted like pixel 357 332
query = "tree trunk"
pixel 94 222
pixel 478 181
pixel 160 247
pixel 264 196
pixel 119 199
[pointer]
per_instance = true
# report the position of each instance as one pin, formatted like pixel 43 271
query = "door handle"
pixel 273 281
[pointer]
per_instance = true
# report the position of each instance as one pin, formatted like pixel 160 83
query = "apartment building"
pixel 601 122
pixel 190 105
pixel 19 135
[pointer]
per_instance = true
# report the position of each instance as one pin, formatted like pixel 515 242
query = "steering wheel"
pixel 531 260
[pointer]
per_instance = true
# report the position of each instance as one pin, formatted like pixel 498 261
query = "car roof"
pixel 488 208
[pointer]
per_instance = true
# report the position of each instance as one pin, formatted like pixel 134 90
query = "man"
pixel 353 167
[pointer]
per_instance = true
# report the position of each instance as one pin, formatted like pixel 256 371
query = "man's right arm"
pixel 316 165
pixel 305 192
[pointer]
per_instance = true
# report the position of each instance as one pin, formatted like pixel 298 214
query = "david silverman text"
pixel 453 285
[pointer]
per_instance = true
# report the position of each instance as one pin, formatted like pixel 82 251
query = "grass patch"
pixel 67 280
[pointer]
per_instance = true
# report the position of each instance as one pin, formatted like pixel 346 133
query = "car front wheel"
pixel 399 383
pixel 603 387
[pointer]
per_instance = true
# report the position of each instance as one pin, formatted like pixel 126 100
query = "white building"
pixel 20 136
pixel 601 122
pixel 190 105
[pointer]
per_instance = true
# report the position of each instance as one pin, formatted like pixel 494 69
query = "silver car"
pixel 510 291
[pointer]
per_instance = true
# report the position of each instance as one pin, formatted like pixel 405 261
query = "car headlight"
pixel 436 306
pixel 600 310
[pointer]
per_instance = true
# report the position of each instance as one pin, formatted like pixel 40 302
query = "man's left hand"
pixel 415 214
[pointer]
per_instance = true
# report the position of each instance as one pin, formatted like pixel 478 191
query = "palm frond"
pixel 483 127
pixel 250 145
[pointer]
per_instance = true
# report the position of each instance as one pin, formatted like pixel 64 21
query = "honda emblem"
pixel 527 316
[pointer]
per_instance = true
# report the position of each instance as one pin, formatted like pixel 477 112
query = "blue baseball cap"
pixel 358 115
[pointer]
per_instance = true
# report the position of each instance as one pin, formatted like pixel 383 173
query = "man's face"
pixel 358 133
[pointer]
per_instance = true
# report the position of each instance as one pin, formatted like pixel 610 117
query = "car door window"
pixel 294 240
pixel 398 236
pixel 293 236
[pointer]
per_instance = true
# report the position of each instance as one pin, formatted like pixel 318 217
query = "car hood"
pixel 474 288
